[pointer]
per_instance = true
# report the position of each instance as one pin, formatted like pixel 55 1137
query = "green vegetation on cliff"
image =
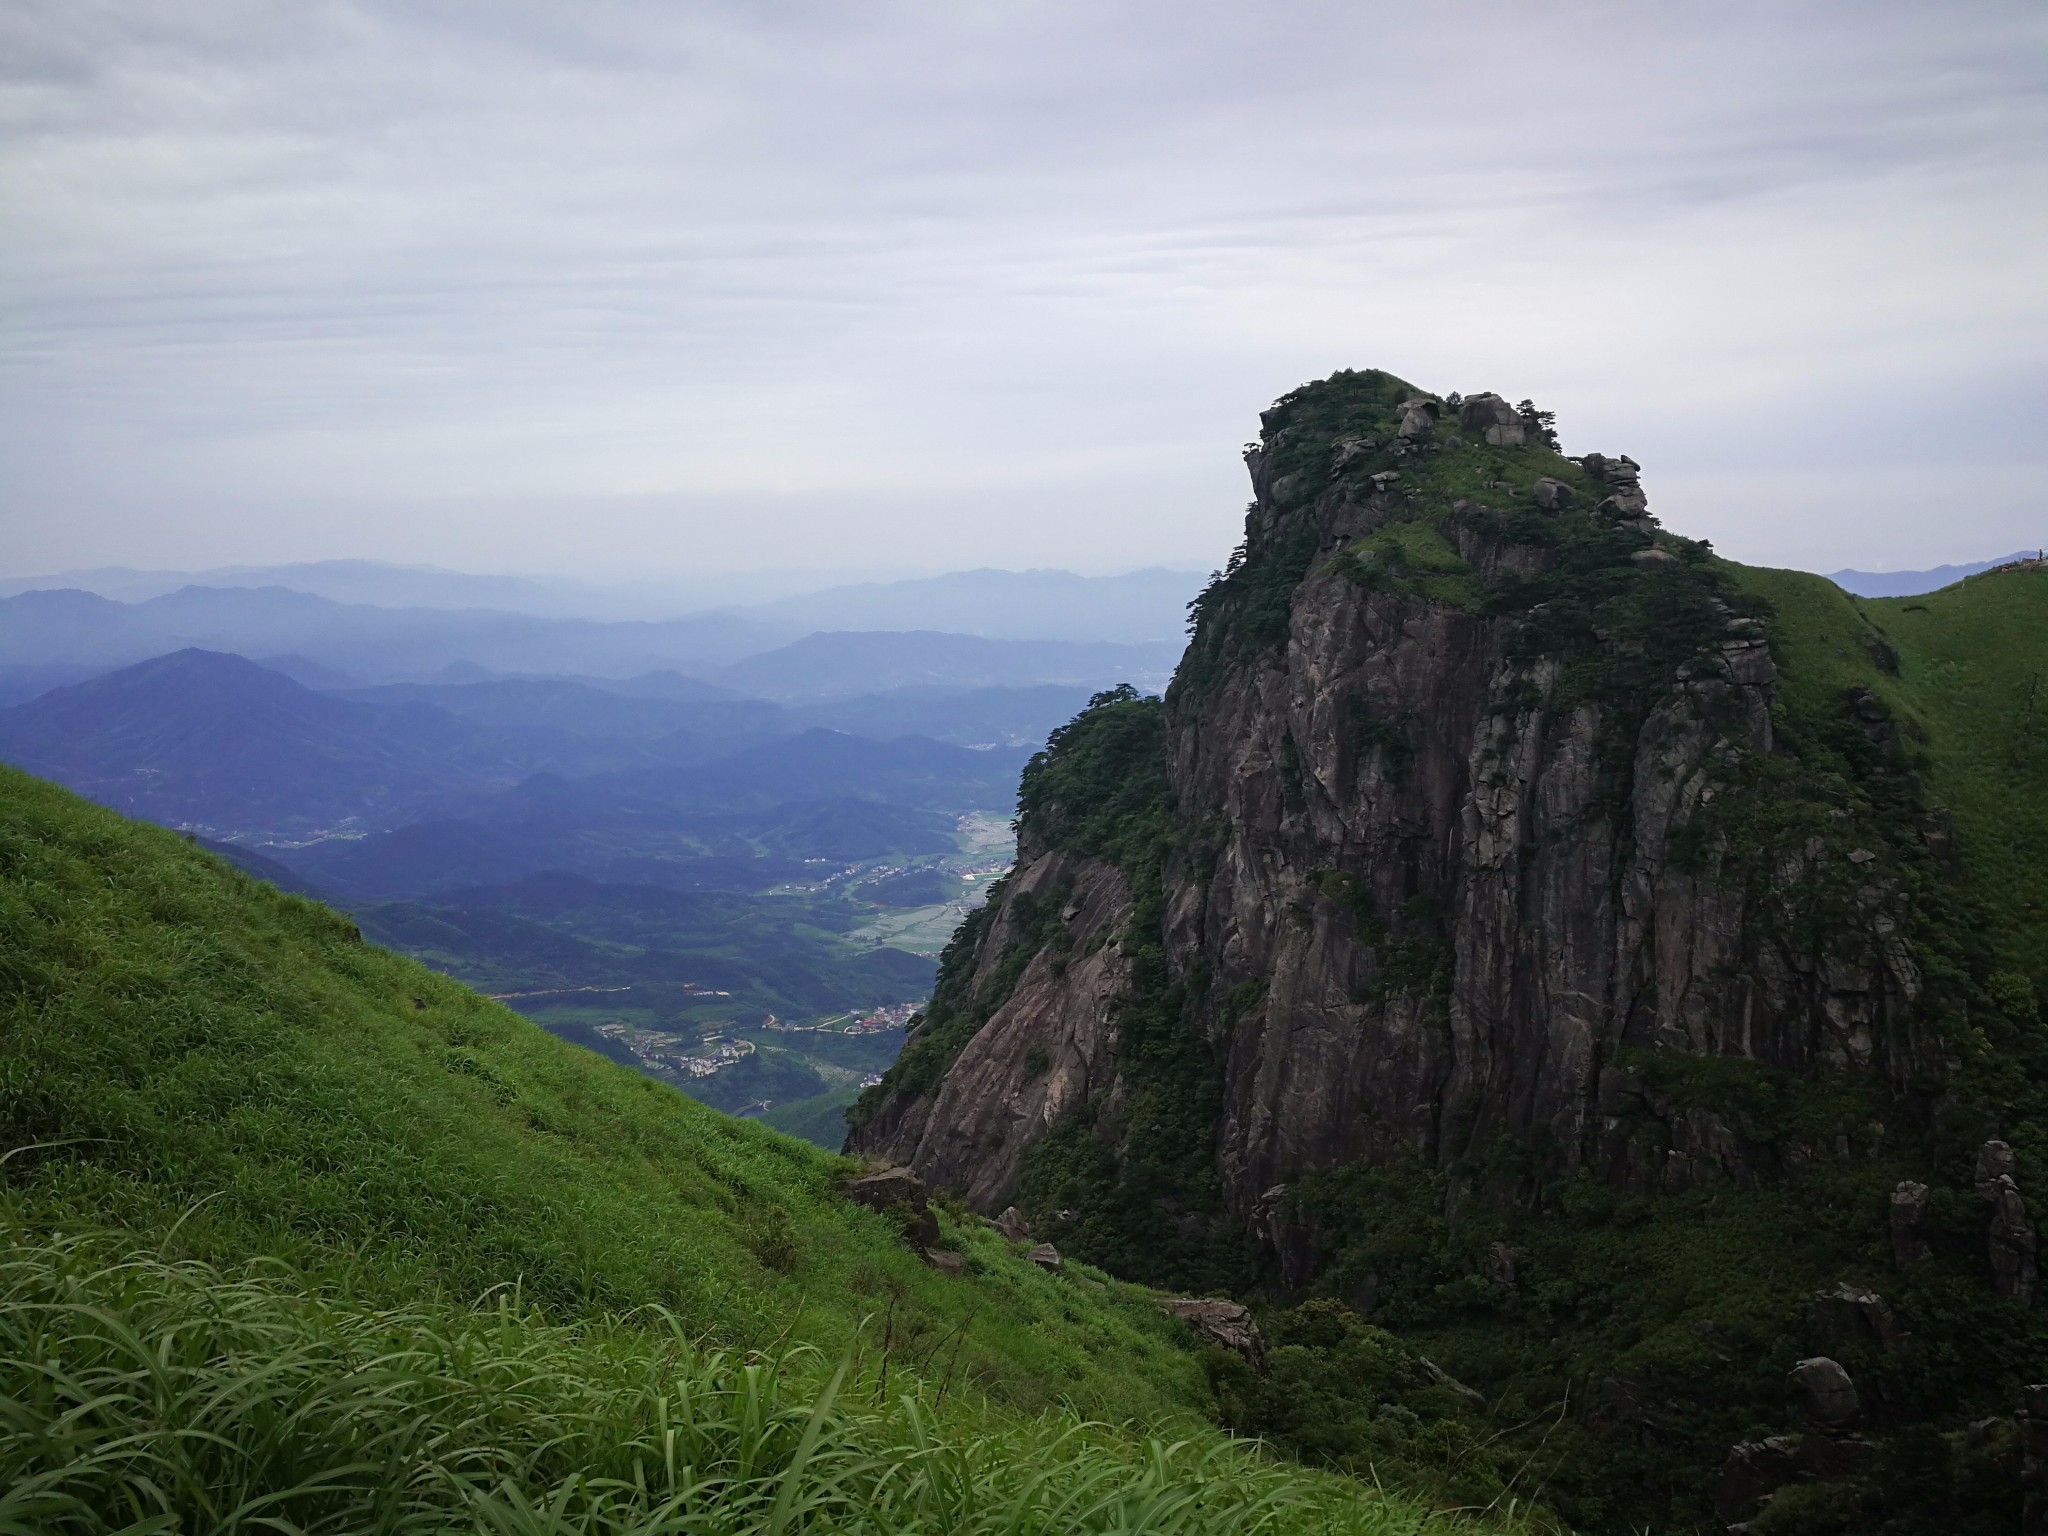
pixel 1625 1334
pixel 300 1235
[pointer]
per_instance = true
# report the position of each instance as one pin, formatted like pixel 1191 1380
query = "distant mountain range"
pixel 51 636
pixel 214 742
pixel 371 644
pixel 1914 583
pixel 825 666
pixel 1148 605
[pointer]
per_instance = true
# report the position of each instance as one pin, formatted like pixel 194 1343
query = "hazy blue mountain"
pixel 19 684
pixel 674 850
pixel 588 709
pixel 385 585
pixel 681 719
pixel 822 764
pixel 1022 716
pixel 375 644
pixel 744 823
pixel 1004 605
pixel 1913 583
pixel 214 741
pixel 1010 605
pixel 840 665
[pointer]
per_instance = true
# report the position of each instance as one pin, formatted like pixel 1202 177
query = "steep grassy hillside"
pixel 298 1231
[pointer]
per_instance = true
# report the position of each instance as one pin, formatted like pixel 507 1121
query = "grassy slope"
pixel 1971 680
pixel 191 1058
pixel 226 1056
pixel 1974 666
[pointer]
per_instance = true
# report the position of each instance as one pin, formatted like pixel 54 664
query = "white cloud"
pixel 605 286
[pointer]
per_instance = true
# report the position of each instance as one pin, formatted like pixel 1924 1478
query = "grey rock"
pixel 897 1190
pixel 972 1136
pixel 1450 1383
pixel 1498 1265
pixel 2033 1427
pixel 1045 1256
pixel 1417 416
pixel 1653 559
pixel 1493 419
pixel 1751 1472
pixel 1823 1392
pixel 1011 1225
pixel 1909 1224
pixel 1553 495
pixel 886 1187
pixel 1227 1323
pixel 945 1261
pixel 1850 1314
pixel 2011 1243
pixel 1994 1162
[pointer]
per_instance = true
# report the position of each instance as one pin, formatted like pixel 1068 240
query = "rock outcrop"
pixel 1228 1324
pixel 1049 1049
pixel 1449 872
pixel 1909 1224
pixel 897 1192
pixel 1850 1314
pixel 2011 1242
pixel 1824 1394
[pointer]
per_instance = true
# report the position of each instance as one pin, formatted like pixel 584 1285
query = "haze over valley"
pixel 663 839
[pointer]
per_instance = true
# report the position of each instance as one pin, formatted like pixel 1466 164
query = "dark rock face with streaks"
pixel 1046 1051
pixel 1446 757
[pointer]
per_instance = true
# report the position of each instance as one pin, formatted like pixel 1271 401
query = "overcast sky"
pixel 649 288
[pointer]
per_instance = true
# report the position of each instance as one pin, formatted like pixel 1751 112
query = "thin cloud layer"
pixel 620 288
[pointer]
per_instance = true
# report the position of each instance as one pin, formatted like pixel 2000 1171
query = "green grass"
pixel 821 1120
pixel 1974 668
pixel 149 1396
pixel 299 1231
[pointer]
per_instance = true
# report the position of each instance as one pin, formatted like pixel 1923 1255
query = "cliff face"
pixel 1480 836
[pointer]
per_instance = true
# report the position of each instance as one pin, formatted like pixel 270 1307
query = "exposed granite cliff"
pixel 1479 837
pixel 1523 934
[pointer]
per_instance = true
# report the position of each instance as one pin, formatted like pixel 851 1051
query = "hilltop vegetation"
pixel 299 1231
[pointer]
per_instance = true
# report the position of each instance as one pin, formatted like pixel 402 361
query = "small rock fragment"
pixel 945 1262
pixel 1553 495
pixel 1653 559
pixel 1045 1256
pixel 1011 1225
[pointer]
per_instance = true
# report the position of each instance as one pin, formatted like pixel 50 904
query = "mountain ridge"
pixel 1521 928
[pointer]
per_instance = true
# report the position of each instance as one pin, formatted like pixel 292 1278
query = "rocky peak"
pixel 1444 852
